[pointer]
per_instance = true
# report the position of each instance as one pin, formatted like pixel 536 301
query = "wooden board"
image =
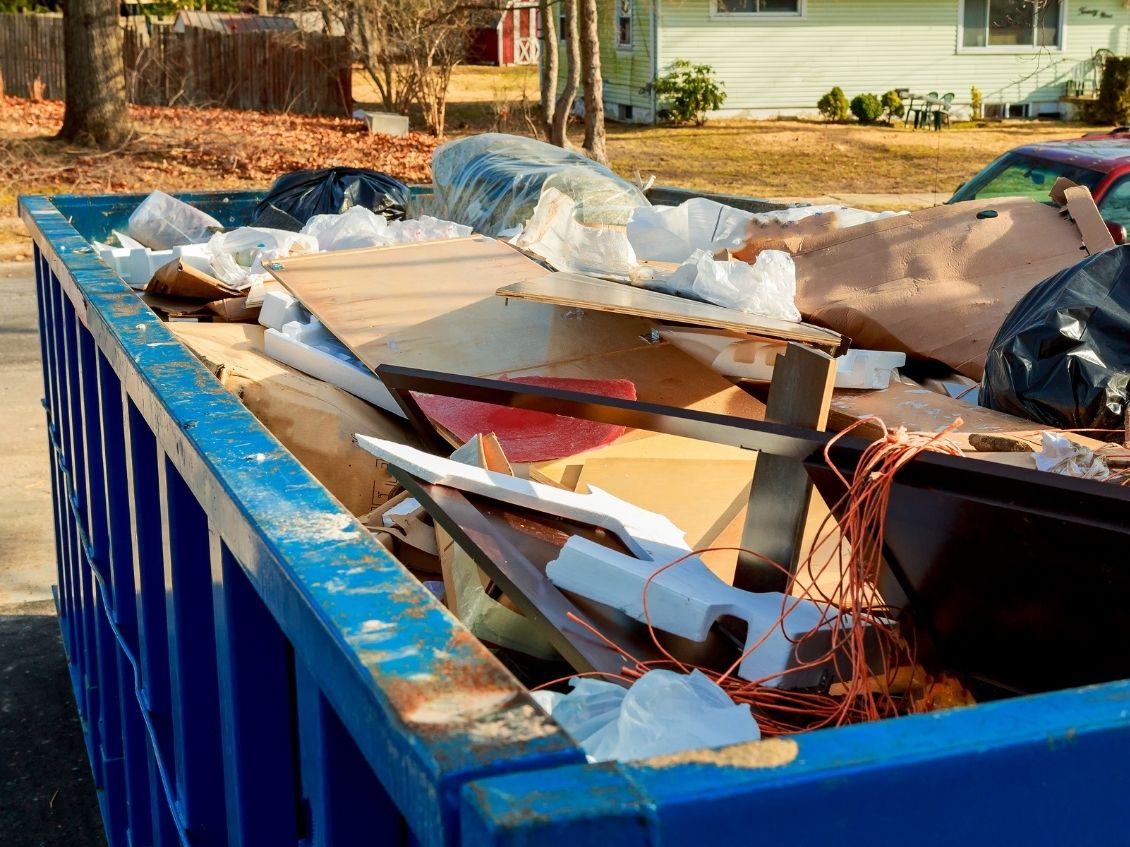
pixel 585 292
pixel 430 305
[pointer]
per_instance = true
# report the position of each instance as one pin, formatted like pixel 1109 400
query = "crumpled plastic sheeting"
pixel 162 222
pixel 554 233
pixel 492 183
pixel 1061 455
pixel 664 712
pixel 237 257
pixel 767 287
pixel 672 233
pixel 359 227
pixel 1062 356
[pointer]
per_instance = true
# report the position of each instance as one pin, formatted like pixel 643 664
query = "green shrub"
pixel 976 101
pixel 834 105
pixel 867 108
pixel 892 104
pixel 1113 103
pixel 687 92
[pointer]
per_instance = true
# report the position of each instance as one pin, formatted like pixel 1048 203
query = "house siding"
pixel 782 66
pixel 626 72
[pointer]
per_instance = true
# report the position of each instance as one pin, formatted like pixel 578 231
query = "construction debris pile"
pixel 698 474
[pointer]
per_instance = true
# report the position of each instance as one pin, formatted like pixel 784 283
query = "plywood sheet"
pixel 585 292
pixel 431 305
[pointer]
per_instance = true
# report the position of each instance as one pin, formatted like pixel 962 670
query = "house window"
pixel 758 7
pixel 1011 23
pixel 624 22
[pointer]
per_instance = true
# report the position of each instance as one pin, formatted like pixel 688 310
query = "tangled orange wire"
pixel 866 655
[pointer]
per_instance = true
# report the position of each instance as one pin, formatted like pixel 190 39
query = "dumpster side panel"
pixel 1035 770
pixel 250 667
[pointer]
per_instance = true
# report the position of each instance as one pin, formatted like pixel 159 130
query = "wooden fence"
pixel 272 71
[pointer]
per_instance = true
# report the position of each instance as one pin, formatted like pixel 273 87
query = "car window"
pixel 1020 175
pixel 1115 205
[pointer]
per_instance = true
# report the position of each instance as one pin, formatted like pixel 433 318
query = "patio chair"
pixel 921 111
pixel 942 113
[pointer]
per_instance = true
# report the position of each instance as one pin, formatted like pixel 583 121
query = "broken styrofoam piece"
pixel 663 712
pixel 767 287
pixel 136 265
pixel 673 233
pixel 1059 454
pixel 554 233
pixel 162 222
pixel 347 374
pixel 405 507
pixel 686 599
pixel 280 308
pixel 359 227
pixel 237 257
pixel 746 358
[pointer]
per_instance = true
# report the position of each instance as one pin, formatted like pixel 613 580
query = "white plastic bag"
pixel 237 257
pixel 359 227
pixel 662 713
pixel 767 287
pixel 162 222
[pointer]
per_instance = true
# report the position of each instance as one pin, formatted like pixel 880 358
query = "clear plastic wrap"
pixel 237 257
pixel 162 222
pixel 492 183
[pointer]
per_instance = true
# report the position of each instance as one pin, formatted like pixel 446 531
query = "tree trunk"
pixel 96 109
pixel 548 72
pixel 594 84
pixel 558 134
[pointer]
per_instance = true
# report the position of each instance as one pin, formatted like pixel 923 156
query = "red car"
pixel 1101 162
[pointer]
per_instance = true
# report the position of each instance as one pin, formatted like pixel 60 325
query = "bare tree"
pixel 547 78
pixel 96 109
pixel 558 132
pixel 594 84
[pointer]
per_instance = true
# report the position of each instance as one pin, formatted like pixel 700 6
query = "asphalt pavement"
pixel 47 795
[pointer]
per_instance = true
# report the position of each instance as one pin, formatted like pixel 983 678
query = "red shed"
pixel 511 41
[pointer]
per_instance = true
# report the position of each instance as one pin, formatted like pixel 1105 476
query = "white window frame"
pixel 631 43
pixel 1012 48
pixel 800 14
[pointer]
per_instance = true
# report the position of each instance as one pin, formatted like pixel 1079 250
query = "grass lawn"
pixel 181 147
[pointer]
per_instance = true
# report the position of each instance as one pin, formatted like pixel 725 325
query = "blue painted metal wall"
pixel 251 669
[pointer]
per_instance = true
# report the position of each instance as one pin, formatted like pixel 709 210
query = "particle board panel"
pixel 431 305
pixel 585 292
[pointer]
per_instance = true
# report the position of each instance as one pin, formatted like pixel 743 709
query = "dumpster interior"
pixel 695 474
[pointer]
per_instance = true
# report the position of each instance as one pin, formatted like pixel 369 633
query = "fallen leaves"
pixel 184 148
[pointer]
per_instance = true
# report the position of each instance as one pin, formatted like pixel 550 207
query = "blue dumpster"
pixel 252 669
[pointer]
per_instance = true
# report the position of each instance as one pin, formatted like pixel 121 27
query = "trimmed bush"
pixel 867 108
pixel 687 92
pixel 892 104
pixel 834 105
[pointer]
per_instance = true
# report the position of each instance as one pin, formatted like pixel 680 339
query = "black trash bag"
pixel 299 195
pixel 1062 357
